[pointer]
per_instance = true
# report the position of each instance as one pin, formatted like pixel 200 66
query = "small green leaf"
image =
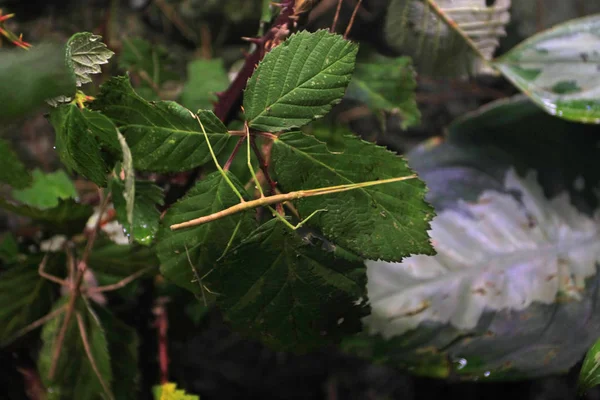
pixel 289 292
pixel 24 297
pixel 562 69
pixel 299 80
pixel 80 135
pixel 387 85
pixel 46 190
pixel 386 222
pixel 12 170
pixel 589 376
pixel 205 78
pixel 75 377
pixel 85 54
pixel 169 391
pixel 27 78
pixel 163 136
pixel 205 243
pixel 145 215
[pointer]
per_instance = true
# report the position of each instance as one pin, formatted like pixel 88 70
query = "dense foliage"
pixel 298 230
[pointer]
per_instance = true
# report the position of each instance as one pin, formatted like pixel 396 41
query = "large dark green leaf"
pixel 558 69
pixel 163 136
pixel 513 291
pixel 288 292
pixel 27 78
pixel 386 222
pixel 75 377
pixel 145 214
pixel 205 243
pixel 387 84
pixel 299 80
pixel 24 296
pixel 12 170
pixel 80 135
pixel 123 346
pixel 121 260
pixel 67 217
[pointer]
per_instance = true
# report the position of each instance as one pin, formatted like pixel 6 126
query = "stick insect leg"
pixel 214 157
pixel 50 277
pixel 90 356
pixel 118 285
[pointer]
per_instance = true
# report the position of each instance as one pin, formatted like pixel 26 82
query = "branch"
pixel 280 198
pixel 81 267
pixel 225 108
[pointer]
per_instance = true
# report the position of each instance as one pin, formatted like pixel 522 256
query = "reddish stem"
pixel 234 153
pixel 264 166
pixel 162 325
pixel 226 106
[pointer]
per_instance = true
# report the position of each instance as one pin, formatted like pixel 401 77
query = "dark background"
pixel 207 358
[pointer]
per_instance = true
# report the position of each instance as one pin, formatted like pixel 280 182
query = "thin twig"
pixel 234 153
pixel 122 283
pixel 352 19
pixel 34 325
pixel 264 166
pixel 162 325
pixel 171 13
pixel 337 15
pixel 453 25
pixel 280 198
pixel 48 276
pixel 81 267
pixel 88 351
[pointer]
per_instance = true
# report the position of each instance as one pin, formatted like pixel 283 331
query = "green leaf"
pixel 9 249
pixel 288 292
pixel 142 57
pixel 387 85
pixel 120 261
pixel 205 78
pixel 558 69
pixel 444 37
pixel 163 136
pixel 386 222
pixel 85 54
pixel 589 376
pixel 67 217
pixel 27 78
pixel 75 377
pixel 169 391
pixel 12 170
pixel 80 136
pixel 205 243
pixel 24 297
pixel 123 346
pixel 145 215
pixel 46 190
pixel 299 80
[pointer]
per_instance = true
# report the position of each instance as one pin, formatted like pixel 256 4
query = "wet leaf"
pixel 558 69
